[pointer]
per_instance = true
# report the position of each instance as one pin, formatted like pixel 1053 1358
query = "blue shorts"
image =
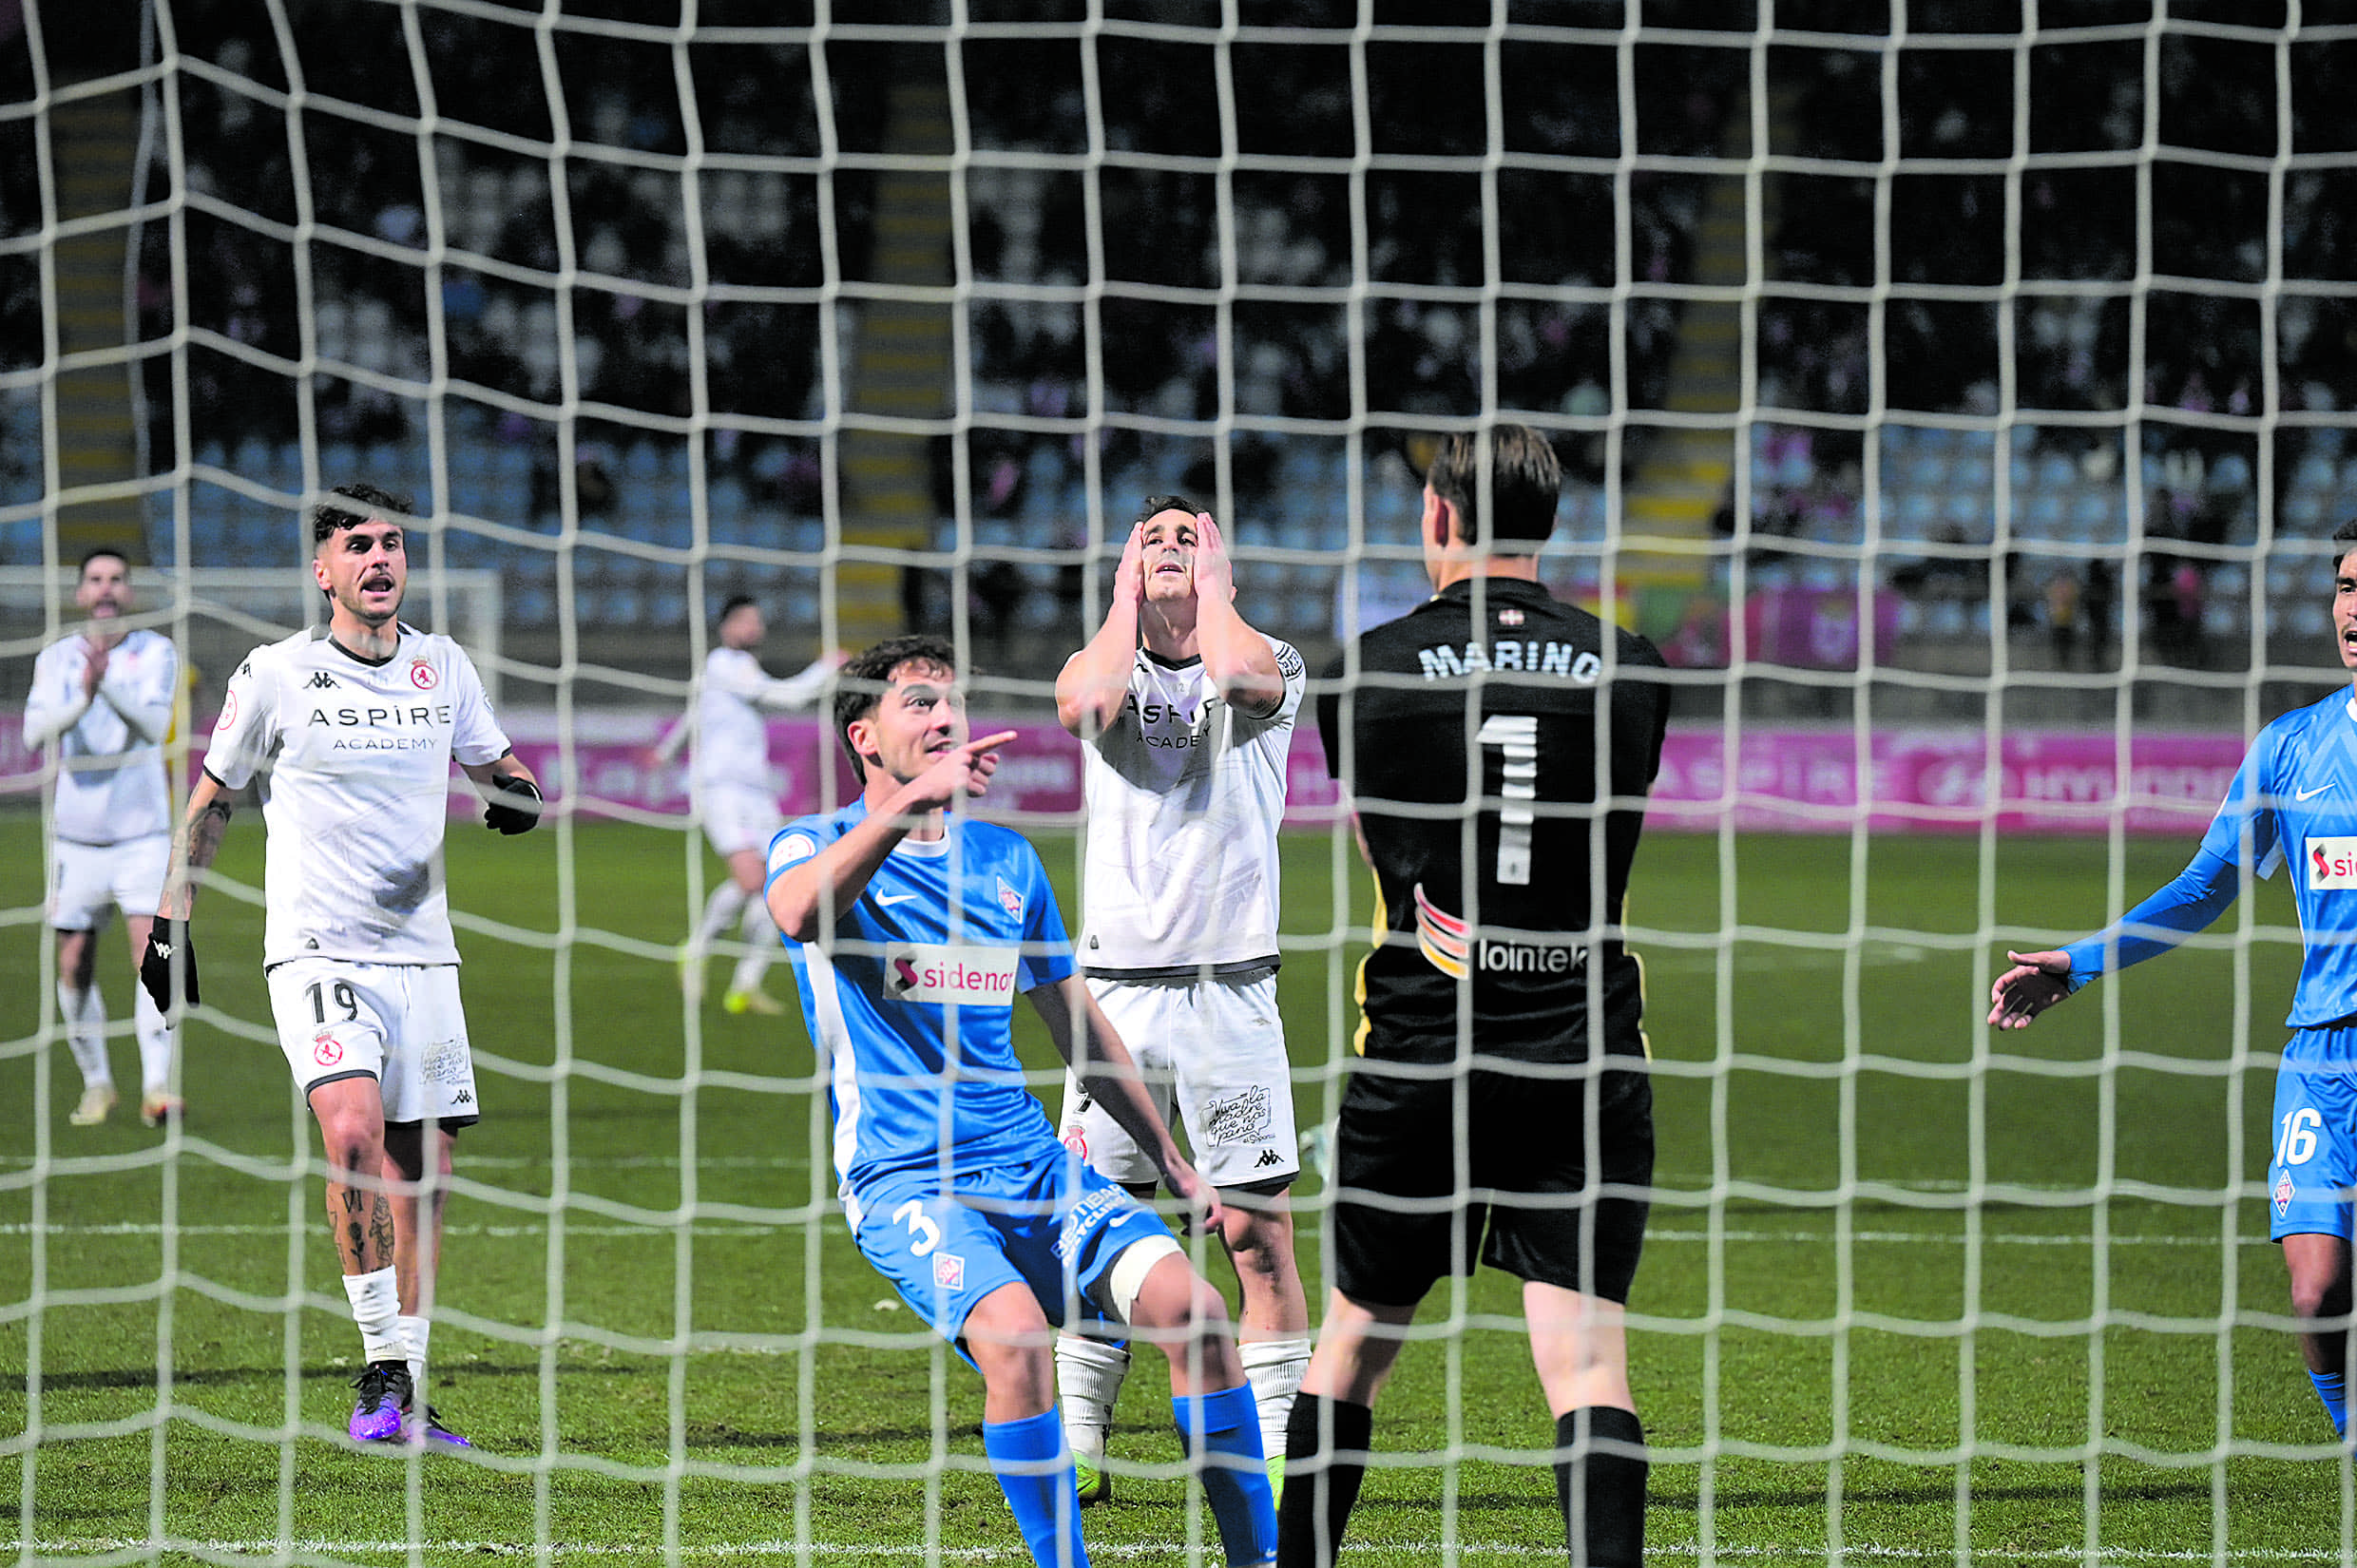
pixel 1052 1225
pixel 2312 1172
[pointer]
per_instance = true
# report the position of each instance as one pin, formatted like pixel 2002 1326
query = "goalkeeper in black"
pixel 1497 746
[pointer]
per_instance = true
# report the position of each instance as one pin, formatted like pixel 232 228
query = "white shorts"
pixel 1216 1050
pixel 738 818
pixel 398 1024
pixel 86 880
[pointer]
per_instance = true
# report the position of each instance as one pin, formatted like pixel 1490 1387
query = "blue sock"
pixel 1035 1470
pixel 1236 1474
pixel 2332 1387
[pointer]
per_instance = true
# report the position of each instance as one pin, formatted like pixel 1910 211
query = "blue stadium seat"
pixel 2098 516
pixel 2040 516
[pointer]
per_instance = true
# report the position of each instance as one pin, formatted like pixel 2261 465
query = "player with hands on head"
pixel 912 928
pixel 1186 714
pixel 102 703
pixel 2292 802
pixel 357 723
pixel 735 792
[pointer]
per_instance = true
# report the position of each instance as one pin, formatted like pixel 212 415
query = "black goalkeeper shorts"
pixel 1405 1213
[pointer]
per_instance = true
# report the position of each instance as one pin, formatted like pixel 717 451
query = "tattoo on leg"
pixel 380 1226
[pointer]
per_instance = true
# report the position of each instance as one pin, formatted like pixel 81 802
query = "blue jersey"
pixel 2293 801
pixel 910 999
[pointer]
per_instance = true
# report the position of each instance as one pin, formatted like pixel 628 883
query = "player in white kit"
pixel 737 796
pixel 351 729
pixel 102 703
pixel 1188 714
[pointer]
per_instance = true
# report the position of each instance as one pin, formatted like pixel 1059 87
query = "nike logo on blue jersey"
pixel 2304 794
pixel 896 898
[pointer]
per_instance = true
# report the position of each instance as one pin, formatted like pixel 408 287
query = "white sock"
pixel 1274 1368
pixel 1088 1385
pixel 85 1016
pixel 416 1330
pixel 720 912
pixel 376 1307
pixel 760 934
pixel 155 1044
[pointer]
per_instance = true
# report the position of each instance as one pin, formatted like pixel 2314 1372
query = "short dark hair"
pixel 732 604
pixel 1524 483
pixel 101 552
pixel 1156 504
pixel 327 518
pixel 867 674
pixel 2346 533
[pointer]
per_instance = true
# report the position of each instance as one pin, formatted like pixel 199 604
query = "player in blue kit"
pixel 913 929
pixel 2293 801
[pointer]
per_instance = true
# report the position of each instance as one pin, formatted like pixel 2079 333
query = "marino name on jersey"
pixel 1497 746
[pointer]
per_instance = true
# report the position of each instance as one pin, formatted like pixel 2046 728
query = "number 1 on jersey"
pixel 1517 738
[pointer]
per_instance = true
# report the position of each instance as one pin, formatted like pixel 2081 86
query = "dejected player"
pixel 1497 746
pixel 1187 713
pixel 2294 802
pixel 102 703
pixel 914 928
pixel 357 723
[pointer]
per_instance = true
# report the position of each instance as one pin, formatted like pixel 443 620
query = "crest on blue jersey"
pixel 1010 900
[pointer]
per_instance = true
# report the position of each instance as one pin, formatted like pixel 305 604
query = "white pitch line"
pixel 828 1224
pixel 1431 1551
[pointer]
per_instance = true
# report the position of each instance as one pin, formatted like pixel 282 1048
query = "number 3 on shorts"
pixel 2297 1145
pixel 924 1235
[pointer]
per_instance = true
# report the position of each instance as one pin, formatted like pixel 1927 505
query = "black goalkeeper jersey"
pixel 1471 747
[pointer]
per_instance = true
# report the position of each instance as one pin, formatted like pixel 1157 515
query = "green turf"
pixel 1838 1343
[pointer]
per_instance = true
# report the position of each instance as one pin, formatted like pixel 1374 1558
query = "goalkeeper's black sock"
pixel 1321 1481
pixel 1601 1486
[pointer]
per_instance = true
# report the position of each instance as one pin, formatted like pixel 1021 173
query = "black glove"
pixel 512 816
pixel 166 939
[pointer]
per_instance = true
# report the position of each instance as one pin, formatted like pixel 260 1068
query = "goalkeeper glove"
pixel 167 938
pixel 512 816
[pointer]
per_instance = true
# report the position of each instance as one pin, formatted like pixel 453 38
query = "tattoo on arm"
pixel 193 848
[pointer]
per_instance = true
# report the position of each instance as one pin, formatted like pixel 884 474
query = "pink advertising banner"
pixel 1793 780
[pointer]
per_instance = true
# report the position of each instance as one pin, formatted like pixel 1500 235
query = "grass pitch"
pixel 1911 1291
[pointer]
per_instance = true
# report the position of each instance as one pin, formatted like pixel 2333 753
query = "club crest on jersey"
pixel 2332 863
pixel 1010 900
pixel 229 710
pixel 2283 1191
pixel 422 674
pixel 949 1271
pixel 327 1050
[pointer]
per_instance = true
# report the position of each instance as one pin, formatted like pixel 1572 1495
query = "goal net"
pixel 1956 391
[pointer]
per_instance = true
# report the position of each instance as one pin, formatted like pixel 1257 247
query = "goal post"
pixel 1957 391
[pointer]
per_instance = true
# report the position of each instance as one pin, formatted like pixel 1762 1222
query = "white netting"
pixel 1956 390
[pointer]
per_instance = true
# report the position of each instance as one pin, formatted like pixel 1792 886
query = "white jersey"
pixel 357 793
pixel 731 732
pixel 1185 796
pixel 109 745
